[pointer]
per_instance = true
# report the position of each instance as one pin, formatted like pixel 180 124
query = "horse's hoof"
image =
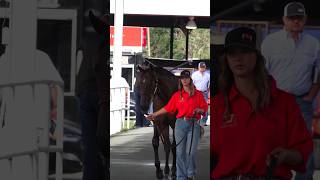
pixel 173 175
pixel 166 171
pixel 173 172
pixel 159 174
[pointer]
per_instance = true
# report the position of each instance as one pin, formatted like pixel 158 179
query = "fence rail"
pixel 25 107
pixel 119 109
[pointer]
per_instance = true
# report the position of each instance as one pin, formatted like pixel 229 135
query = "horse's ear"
pixel 151 66
pixel 98 25
pixel 139 68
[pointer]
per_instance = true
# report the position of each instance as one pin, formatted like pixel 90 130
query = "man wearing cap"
pixel 201 79
pixel 292 58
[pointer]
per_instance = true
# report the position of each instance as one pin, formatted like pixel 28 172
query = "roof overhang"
pixel 163 13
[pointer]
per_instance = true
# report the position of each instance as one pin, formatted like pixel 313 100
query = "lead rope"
pixel 194 120
pixel 151 107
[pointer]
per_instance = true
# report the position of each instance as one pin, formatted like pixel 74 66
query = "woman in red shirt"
pixel 253 121
pixel 189 104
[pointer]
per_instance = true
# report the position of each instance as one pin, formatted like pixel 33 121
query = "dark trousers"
pixel 89 108
pixel 140 119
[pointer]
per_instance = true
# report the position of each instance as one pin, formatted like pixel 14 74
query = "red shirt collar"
pixel 235 93
pixel 183 91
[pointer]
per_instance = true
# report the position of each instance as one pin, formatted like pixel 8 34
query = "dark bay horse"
pixel 102 76
pixel 157 85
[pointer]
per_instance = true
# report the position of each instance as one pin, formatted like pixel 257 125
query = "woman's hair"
pixel 192 88
pixel 261 82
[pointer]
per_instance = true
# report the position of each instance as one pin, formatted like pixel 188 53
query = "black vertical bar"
pixel 187 44
pixel 171 42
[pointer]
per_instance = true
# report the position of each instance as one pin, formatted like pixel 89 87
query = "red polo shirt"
pixel 243 144
pixel 186 105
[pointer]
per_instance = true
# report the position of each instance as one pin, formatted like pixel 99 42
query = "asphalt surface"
pixel 132 155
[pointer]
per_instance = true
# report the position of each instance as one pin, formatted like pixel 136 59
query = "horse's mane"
pixel 164 71
pixel 169 85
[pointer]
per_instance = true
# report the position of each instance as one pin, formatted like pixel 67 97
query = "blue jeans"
pixel 186 164
pixel 307 112
pixel 204 119
pixel 140 119
pixel 93 167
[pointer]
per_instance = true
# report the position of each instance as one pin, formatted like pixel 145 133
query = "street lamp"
pixel 191 24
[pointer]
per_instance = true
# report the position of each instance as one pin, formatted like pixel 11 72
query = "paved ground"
pixel 132 155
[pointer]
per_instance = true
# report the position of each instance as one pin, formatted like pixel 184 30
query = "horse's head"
pixel 101 56
pixel 100 25
pixel 146 85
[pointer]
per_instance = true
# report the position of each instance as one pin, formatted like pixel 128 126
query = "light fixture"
pixel 191 24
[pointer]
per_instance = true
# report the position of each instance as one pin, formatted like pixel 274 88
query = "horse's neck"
pixel 167 87
pixel 158 103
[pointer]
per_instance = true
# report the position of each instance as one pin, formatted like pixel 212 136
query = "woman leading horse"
pixel 189 103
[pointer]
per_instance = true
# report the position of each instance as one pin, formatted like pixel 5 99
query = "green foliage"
pixel 199 43
pixel 160 42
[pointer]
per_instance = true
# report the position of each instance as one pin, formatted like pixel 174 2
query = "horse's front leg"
pixel 167 147
pixel 155 144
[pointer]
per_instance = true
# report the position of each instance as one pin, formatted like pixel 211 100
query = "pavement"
pixel 132 155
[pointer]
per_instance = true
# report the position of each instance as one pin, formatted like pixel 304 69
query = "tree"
pixel 199 43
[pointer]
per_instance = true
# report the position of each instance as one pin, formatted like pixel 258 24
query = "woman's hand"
pixel 150 117
pixel 285 156
pixel 198 111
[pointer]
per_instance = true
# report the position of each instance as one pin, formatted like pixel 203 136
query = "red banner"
pixel 132 36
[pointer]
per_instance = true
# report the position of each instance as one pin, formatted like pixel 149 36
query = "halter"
pixel 155 88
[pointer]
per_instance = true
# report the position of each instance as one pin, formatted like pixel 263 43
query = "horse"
pixel 102 75
pixel 156 85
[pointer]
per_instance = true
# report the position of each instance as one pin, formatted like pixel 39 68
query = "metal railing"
pixel 119 109
pixel 27 152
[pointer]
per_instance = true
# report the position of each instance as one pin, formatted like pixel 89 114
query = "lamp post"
pixel 189 26
pixel 187 42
